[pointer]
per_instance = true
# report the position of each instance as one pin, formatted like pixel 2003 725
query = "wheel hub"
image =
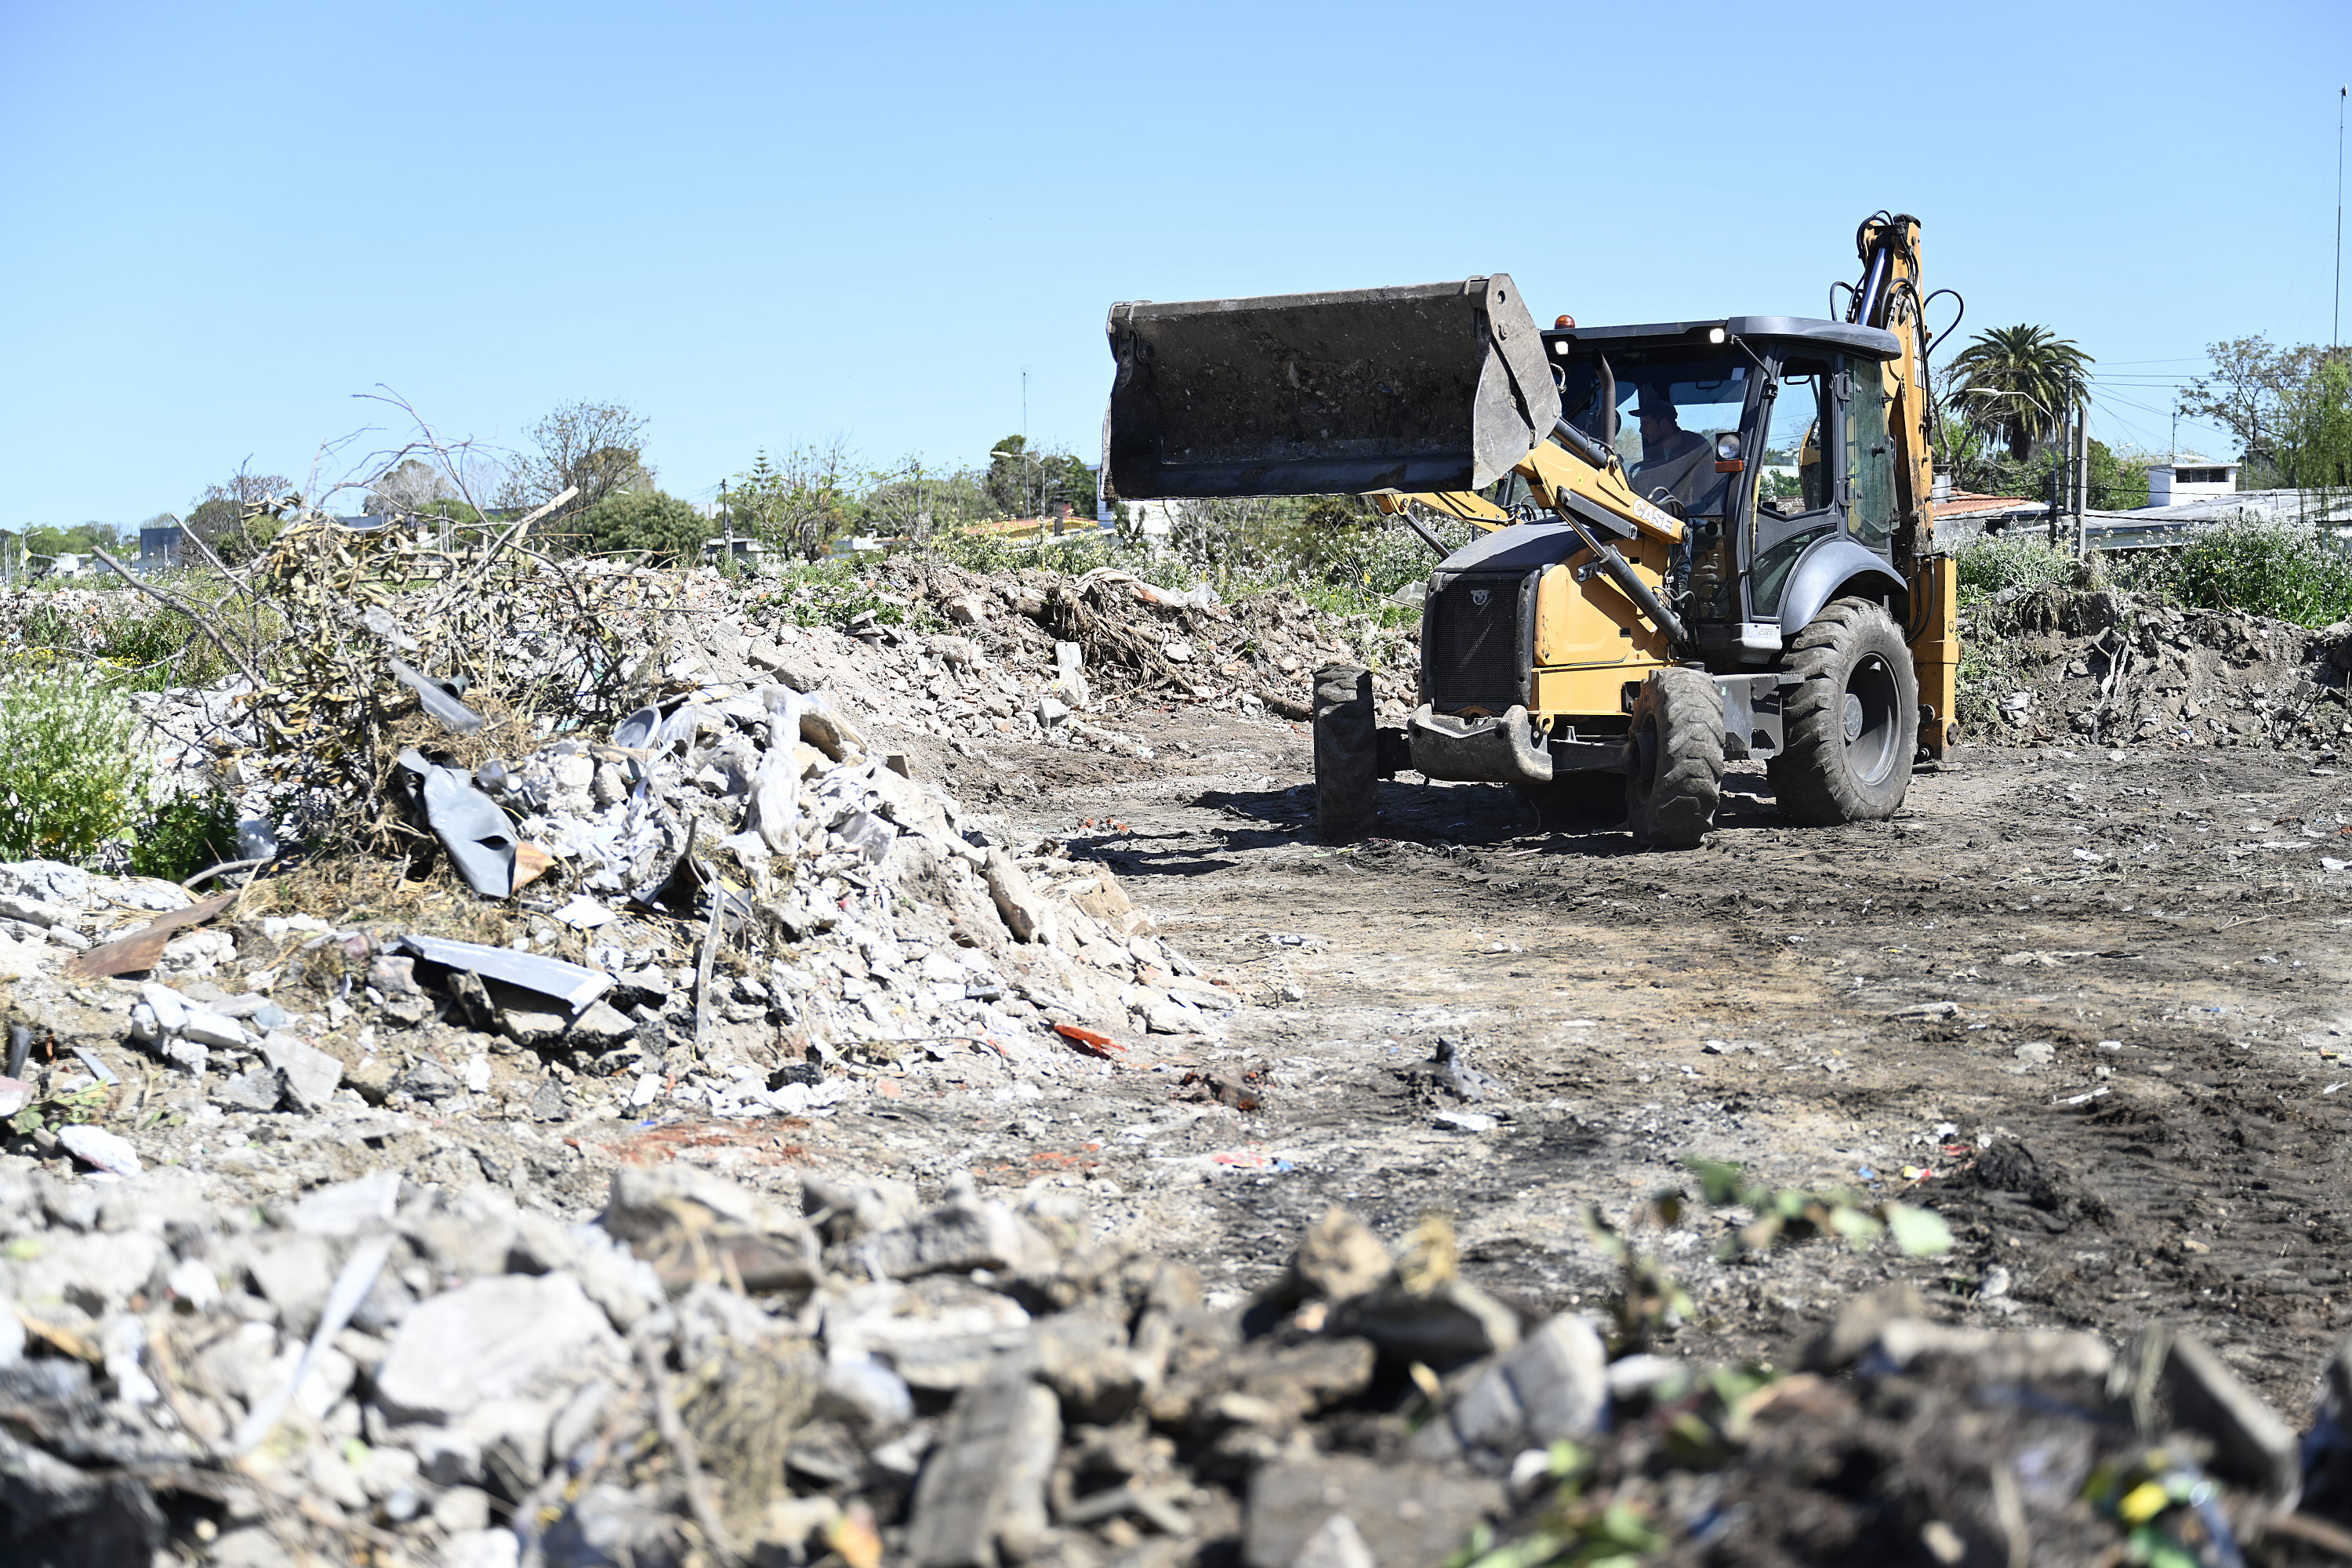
pixel 1868 712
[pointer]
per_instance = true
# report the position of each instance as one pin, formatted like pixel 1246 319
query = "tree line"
pixel 798 500
pixel 2001 404
pixel 2004 398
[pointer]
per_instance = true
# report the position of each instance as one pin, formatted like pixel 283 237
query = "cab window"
pixel 1870 456
pixel 1793 480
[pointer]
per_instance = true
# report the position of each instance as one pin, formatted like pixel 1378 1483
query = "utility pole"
pixel 2082 475
pixel 2336 332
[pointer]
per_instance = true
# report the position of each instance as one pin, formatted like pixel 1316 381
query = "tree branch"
pixel 204 621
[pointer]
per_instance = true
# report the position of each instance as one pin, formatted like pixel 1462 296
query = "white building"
pixel 2190 478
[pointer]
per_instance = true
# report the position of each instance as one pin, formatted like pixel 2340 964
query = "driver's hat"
pixel 1658 401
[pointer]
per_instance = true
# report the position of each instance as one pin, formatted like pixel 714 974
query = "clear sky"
pixel 776 225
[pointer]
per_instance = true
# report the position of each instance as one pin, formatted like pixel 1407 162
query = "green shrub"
pixel 834 592
pixel 134 643
pixel 190 833
pixel 1987 566
pixel 2285 571
pixel 75 775
pixel 644 519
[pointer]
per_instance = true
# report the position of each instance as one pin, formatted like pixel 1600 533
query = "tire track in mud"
pixel 2060 901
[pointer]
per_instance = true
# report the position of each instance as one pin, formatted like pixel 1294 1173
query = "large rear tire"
pixel 1347 753
pixel 1851 723
pixel 1674 776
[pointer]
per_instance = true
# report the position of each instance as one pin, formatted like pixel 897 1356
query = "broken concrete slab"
pixel 2252 1445
pixel 311 1075
pixel 1554 1385
pixel 492 1339
pixel 1023 913
pixel 573 985
pixel 962 1234
pixel 1410 1515
pixel 256 1090
pixel 1441 1328
pixel 981 1500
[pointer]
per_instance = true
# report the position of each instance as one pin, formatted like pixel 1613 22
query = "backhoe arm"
pixel 1888 298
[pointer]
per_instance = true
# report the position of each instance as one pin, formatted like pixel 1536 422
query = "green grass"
pixel 131 642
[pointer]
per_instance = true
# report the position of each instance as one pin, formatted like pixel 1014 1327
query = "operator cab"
pixel 1767 433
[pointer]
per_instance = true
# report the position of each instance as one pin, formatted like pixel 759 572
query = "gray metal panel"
pixel 1823 570
pixel 565 982
pixel 1470 750
pixel 1875 341
pixel 1840 335
pixel 1522 547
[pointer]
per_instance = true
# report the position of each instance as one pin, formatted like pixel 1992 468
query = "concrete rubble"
pixel 704 1371
pixel 2113 667
pixel 359 1224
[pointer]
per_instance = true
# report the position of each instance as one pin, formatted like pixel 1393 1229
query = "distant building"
pixel 2190 478
pixel 159 548
pixel 1963 515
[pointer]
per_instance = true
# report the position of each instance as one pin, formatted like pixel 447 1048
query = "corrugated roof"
pixel 1962 503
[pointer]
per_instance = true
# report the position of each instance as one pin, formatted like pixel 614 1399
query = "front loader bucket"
pixel 1439 386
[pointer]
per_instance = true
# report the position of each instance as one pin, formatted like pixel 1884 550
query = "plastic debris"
pixel 439 698
pixel 480 839
pixel 1094 1042
pixel 567 983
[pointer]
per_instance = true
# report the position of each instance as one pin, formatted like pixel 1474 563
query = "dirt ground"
pixel 2127 1106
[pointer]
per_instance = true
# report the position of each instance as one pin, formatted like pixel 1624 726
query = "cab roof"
pixel 1782 331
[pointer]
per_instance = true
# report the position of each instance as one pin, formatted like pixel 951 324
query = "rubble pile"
pixel 831 1369
pixel 342 1215
pixel 1123 638
pixel 2109 667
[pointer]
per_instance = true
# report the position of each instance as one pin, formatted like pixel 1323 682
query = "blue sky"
pixel 778 224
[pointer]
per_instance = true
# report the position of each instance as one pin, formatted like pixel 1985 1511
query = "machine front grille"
pixel 1471 655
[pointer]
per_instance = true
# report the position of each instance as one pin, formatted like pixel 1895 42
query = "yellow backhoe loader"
pixel 1702 539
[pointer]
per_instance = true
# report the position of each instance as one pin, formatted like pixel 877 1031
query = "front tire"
pixel 1851 724
pixel 1674 776
pixel 1347 753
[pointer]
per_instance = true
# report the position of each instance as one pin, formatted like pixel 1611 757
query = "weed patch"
pixel 75 775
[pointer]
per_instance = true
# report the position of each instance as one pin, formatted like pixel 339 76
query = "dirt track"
pixel 2142 946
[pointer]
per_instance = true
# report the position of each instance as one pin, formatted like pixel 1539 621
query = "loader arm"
pixel 1591 497
pixel 1555 476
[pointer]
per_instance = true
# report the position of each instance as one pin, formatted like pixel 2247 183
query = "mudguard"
pixel 1831 568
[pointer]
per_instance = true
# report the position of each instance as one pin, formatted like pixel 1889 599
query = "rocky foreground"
pixel 386 1371
pixel 358 1212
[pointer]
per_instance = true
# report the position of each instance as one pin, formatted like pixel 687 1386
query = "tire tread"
pixel 1809 777
pixel 1679 810
pixel 1347 753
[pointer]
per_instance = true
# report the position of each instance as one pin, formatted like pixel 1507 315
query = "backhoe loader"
pixel 1701 541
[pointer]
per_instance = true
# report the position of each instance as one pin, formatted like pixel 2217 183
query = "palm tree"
pixel 2016 382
